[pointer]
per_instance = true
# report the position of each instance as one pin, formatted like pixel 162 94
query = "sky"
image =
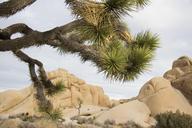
pixel 170 19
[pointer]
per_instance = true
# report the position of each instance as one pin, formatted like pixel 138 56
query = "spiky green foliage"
pixel 174 120
pixel 119 55
pixel 121 7
pixel 112 59
pixel 102 19
pixel 59 87
pixel 90 11
pixel 130 124
pixel 55 114
pixel 95 34
pixel 147 40
pixel 138 61
pixel 124 63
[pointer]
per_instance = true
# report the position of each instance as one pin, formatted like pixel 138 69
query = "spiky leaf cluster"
pixel 123 62
pixel 121 56
pixel 98 35
pixel 59 87
pixel 147 40
pixel 91 12
pixel 113 59
pixel 119 7
pixel 55 114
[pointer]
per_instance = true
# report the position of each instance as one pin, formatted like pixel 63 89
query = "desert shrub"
pixel 174 120
pixel 26 125
pixel 83 120
pixel 130 124
pixel 55 114
pixel 69 125
pixel 28 118
pixel 23 117
pixel 109 122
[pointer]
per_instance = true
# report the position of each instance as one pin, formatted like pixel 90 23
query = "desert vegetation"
pixel 97 34
pixel 174 120
pixel 111 47
pixel 164 120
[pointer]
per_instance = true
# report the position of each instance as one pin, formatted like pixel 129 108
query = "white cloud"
pixel 163 14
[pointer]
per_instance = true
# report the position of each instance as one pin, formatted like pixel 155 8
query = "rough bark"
pixel 44 104
pixel 13 6
pixel 39 83
pixel 35 38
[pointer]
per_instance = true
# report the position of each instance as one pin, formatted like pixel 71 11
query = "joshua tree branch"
pixel 13 6
pixel 42 74
pixel 33 38
pixel 38 84
pixel 73 46
pixel 43 102
pixel 22 28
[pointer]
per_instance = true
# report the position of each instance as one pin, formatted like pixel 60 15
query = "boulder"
pixel 77 90
pixel 180 76
pixel 184 84
pixel 160 97
pixel 180 67
pixel 173 74
pixel 21 101
pixel 182 62
pixel 135 111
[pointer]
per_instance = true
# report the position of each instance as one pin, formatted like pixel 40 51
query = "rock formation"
pixel 13 102
pixel 171 92
pixel 180 76
pixel 160 97
pixel 134 110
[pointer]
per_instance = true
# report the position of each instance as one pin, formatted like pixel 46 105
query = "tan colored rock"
pixel 135 111
pixel 19 101
pixel 173 74
pixel 160 97
pixel 182 62
pixel 181 76
pixel 10 123
pixel 184 84
pixel 84 110
pixel 78 90
pixel 180 67
pixel 153 86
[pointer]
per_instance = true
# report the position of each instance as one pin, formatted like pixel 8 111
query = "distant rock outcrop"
pixel 160 97
pixel 180 76
pixel 13 102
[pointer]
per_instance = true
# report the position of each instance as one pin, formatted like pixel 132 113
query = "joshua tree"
pixel 98 34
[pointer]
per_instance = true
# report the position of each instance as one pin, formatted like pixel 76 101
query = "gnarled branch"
pixel 13 6
pixel 34 38
pixel 38 84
